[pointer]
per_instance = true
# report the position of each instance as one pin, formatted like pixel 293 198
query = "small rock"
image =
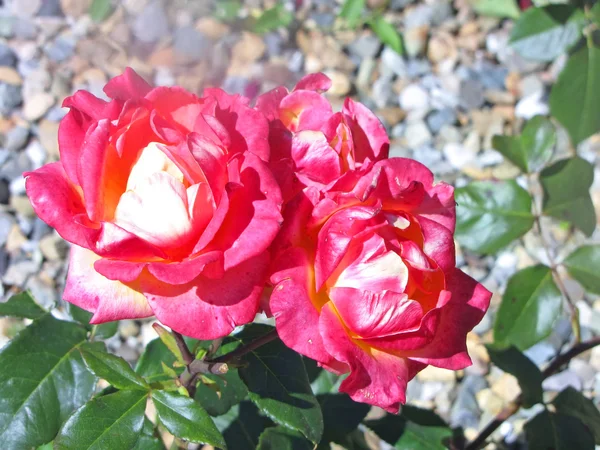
pixel 10 76
pixel 471 94
pixel 489 402
pixel 4 192
pixel 10 98
pixel 540 353
pixel 17 273
pixel 190 45
pixel 417 134
pixel 16 138
pixel 151 24
pixel 274 42
pixel 27 9
pixel 43 293
pixel 441 46
pixel 506 387
pixel 48 135
pixel 213 28
pixel 561 381
pixel 128 328
pixel 415 40
pixel 458 155
pixel 7 56
pixel 75 8
pixel 248 49
pixel 465 411
pixel 61 49
pixel 437 119
pixel 531 106
pixel 50 8
pixel 6 224
pixel 414 98
pixel 394 62
pixel 431 373
pixel 37 106
pixel 531 84
pixel 366 46
pixel 340 83
pixel 53 247
pixel 22 205
pixel 584 371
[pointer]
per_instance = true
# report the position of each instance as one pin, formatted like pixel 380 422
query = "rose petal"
pixel 371 142
pixel 304 110
pixel 318 82
pixel 109 300
pixel 127 86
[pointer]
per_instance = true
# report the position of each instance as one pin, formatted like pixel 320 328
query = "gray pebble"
pixel 151 24
pixel 437 119
pixel 6 223
pixel 540 353
pixel 50 8
pixel 190 44
pixel 44 294
pixel 561 381
pixel 15 165
pixel 323 19
pixel 18 273
pixel 417 67
pixel 10 98
pixel 471 94
pixel 465 411
pixel 366 46
pixel 274 42
pixel 16 138
pixel 7 56
pixel 4 192
pixel 61 49
pixel 394 62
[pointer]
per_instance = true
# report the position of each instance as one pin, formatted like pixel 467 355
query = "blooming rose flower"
pixel 313 146
pixel 365 281
pixel 168 201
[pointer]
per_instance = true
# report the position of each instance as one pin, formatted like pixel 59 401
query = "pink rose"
pixel 313 146
pixel 365 281
pixel 169 204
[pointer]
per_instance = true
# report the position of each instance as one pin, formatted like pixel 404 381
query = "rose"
pixel 313 146
pixel 168 201
pixel 365 281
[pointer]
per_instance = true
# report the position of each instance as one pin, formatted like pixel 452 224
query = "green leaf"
pixel 583 265
pixel 113 369
pixel 575 98
pixel 43 379
pixel 573 403
pixel 186 419
pixel 341 415
pixel 232 391
pixel 387 33
pixel 490 215
pixel 227 10
pixel 533 149
pixel 280 438
pixel 415 429
pixel 103 331
pixel 273 18
pixel 150 363
pixel 530 306
pixel 112 421
pixel 566 186
pixel 543 34
pixel 321 381
pixel 22 305
pixel 241 426
pixel 278 384
pixel 147 439
pixel 557 432
pixel 498 8
pixel 100 10
pixel 48 446
pixel 352 12
pixel 512 361
pixel 595 14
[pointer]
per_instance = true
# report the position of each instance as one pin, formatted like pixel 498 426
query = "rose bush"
pixel 169 204
pixel 365 281
pixel 313 146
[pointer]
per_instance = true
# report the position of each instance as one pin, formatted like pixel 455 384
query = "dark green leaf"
pixel 186 419
pixel 43 379
pixel 387 33
pixel 341 415
pixel 530 306
pixel 147 439
pixel 352 12
pixel 100 10
pixel 277 382
pixel 22 305
pixel 280 438
pixel 113 369
pixel 415 429
pixel 575 98
pixel 232 391
pixel 557 432
pixel 574 403
pixel 583 265
pixel 149 364
pixel 227 10
pixel 566 185
pixel 533 149
pixel 543 34
pixel 273 18
pixel 103 331
pixel 497 8
pixel 112 422
pixel 241 426
pixel 490 215
pixel 512 361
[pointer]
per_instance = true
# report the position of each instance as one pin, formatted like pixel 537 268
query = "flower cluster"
pixel 202 211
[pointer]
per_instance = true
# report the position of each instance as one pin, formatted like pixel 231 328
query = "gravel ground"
pixel 458 86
